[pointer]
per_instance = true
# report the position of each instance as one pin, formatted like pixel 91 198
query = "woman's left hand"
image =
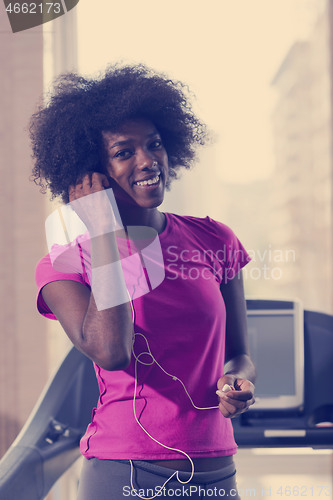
pixel 239 399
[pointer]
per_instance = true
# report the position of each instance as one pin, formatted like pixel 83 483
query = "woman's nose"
pixel 145 159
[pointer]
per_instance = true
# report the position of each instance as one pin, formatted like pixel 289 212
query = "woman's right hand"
pixel 104 334
pixel 95 206
pixel 90 183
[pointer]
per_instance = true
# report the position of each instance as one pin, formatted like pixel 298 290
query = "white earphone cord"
pixel 153 360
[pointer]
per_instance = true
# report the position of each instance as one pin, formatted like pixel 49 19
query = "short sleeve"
pixel 231 253
pixel 237 259
pixel 46 273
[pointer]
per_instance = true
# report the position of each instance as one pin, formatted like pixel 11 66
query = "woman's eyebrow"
pixel 120 143
pixel 127 141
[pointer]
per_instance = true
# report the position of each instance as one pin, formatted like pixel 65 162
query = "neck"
pixel 137 216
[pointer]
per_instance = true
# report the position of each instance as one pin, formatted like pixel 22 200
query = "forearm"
pixel 241 366
pixel 107 328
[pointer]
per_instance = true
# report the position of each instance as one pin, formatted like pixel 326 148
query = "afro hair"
pixel 66 134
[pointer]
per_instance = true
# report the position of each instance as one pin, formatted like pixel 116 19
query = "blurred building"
pixel 31 346
pixel 23 353
pixel 301 218
pixel 244 207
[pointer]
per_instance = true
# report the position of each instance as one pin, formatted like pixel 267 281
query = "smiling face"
pixel 138 163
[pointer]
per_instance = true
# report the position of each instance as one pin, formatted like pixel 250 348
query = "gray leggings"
pixel 110 480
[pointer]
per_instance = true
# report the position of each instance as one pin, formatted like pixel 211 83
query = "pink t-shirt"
pixel 183 320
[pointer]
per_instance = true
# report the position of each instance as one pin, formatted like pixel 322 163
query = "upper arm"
pixel 236 318
pixel 68 300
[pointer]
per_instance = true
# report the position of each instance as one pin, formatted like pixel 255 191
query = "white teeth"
pixel 149 182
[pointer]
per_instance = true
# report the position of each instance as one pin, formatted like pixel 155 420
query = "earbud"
pixel 225 388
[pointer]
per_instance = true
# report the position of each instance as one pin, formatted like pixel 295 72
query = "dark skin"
pixel 136 153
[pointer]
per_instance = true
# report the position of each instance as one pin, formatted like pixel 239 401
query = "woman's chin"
pixel 127 202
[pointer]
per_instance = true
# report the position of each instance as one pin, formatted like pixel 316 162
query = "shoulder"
pixel 202 225
pixel 207 234
pixel 65 260
pixel 63 263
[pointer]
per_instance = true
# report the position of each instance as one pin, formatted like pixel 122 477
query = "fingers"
pixel 234 402
pixel 231 407
pixel 243 384
pixel 226 379
pixel 238 395
pixel 231 410
pixel 71 193
pixel 90 183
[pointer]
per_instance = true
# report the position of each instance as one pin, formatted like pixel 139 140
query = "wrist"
pixel 99 212
pixel 104 250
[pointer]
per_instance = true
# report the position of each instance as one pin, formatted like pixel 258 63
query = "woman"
pixel 159 427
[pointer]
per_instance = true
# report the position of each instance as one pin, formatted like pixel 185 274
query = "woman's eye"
pixel 123 154
pixel 156 144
